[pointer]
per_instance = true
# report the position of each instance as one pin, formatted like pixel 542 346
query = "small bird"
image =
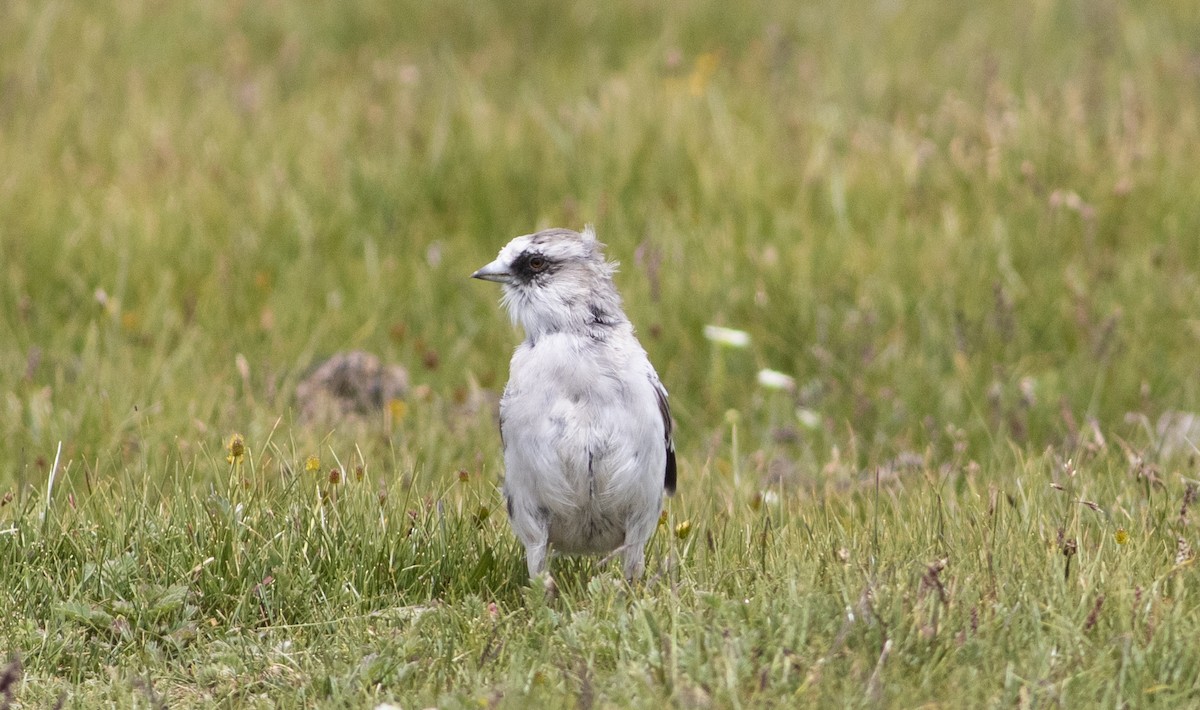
pixel 584 422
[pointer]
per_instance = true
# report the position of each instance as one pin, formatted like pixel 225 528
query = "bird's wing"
pixel 660 393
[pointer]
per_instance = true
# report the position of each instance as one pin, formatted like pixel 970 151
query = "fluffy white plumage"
pixel 584 418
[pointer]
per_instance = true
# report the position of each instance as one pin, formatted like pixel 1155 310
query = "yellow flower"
pixel 236 446
pixel 397 408
pixel 702 73
pixel 683 529
pixel 1121 536
pixel 312 463
pixel 130 320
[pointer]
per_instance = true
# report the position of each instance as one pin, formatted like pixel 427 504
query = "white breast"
pixel 583 437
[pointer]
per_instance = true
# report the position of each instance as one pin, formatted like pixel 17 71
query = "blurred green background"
pixel 969 232
pixel 913 208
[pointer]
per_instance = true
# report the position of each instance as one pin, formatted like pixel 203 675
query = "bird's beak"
pixel 494 271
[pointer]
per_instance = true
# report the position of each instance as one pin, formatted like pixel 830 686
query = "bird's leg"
pixel 531 525
pixel 633 552
pixel 535 557
pixel 634 558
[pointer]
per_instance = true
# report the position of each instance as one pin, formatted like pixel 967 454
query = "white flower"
pixel 808 418
pixel 776 380
pixel 727 336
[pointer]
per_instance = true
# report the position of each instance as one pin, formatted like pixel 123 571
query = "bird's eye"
pixel 537 263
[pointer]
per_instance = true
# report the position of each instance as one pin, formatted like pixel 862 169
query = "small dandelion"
pixel 335 476
pixel 312 463
pixel 683 529
pixel 236 446
pixel 397 408
pixel 1120 536
pixel 130 321
pixel 702 73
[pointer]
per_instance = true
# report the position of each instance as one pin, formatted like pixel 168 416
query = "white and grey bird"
pixel 586 430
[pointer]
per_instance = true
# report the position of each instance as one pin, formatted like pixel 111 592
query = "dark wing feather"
pixel 660 394
pixel 500 421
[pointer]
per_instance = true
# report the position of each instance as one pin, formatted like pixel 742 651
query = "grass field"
pixel 969 231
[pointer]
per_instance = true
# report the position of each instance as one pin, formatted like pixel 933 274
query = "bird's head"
pixel 556 279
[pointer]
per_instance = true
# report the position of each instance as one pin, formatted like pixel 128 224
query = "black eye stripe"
pixel 529 264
